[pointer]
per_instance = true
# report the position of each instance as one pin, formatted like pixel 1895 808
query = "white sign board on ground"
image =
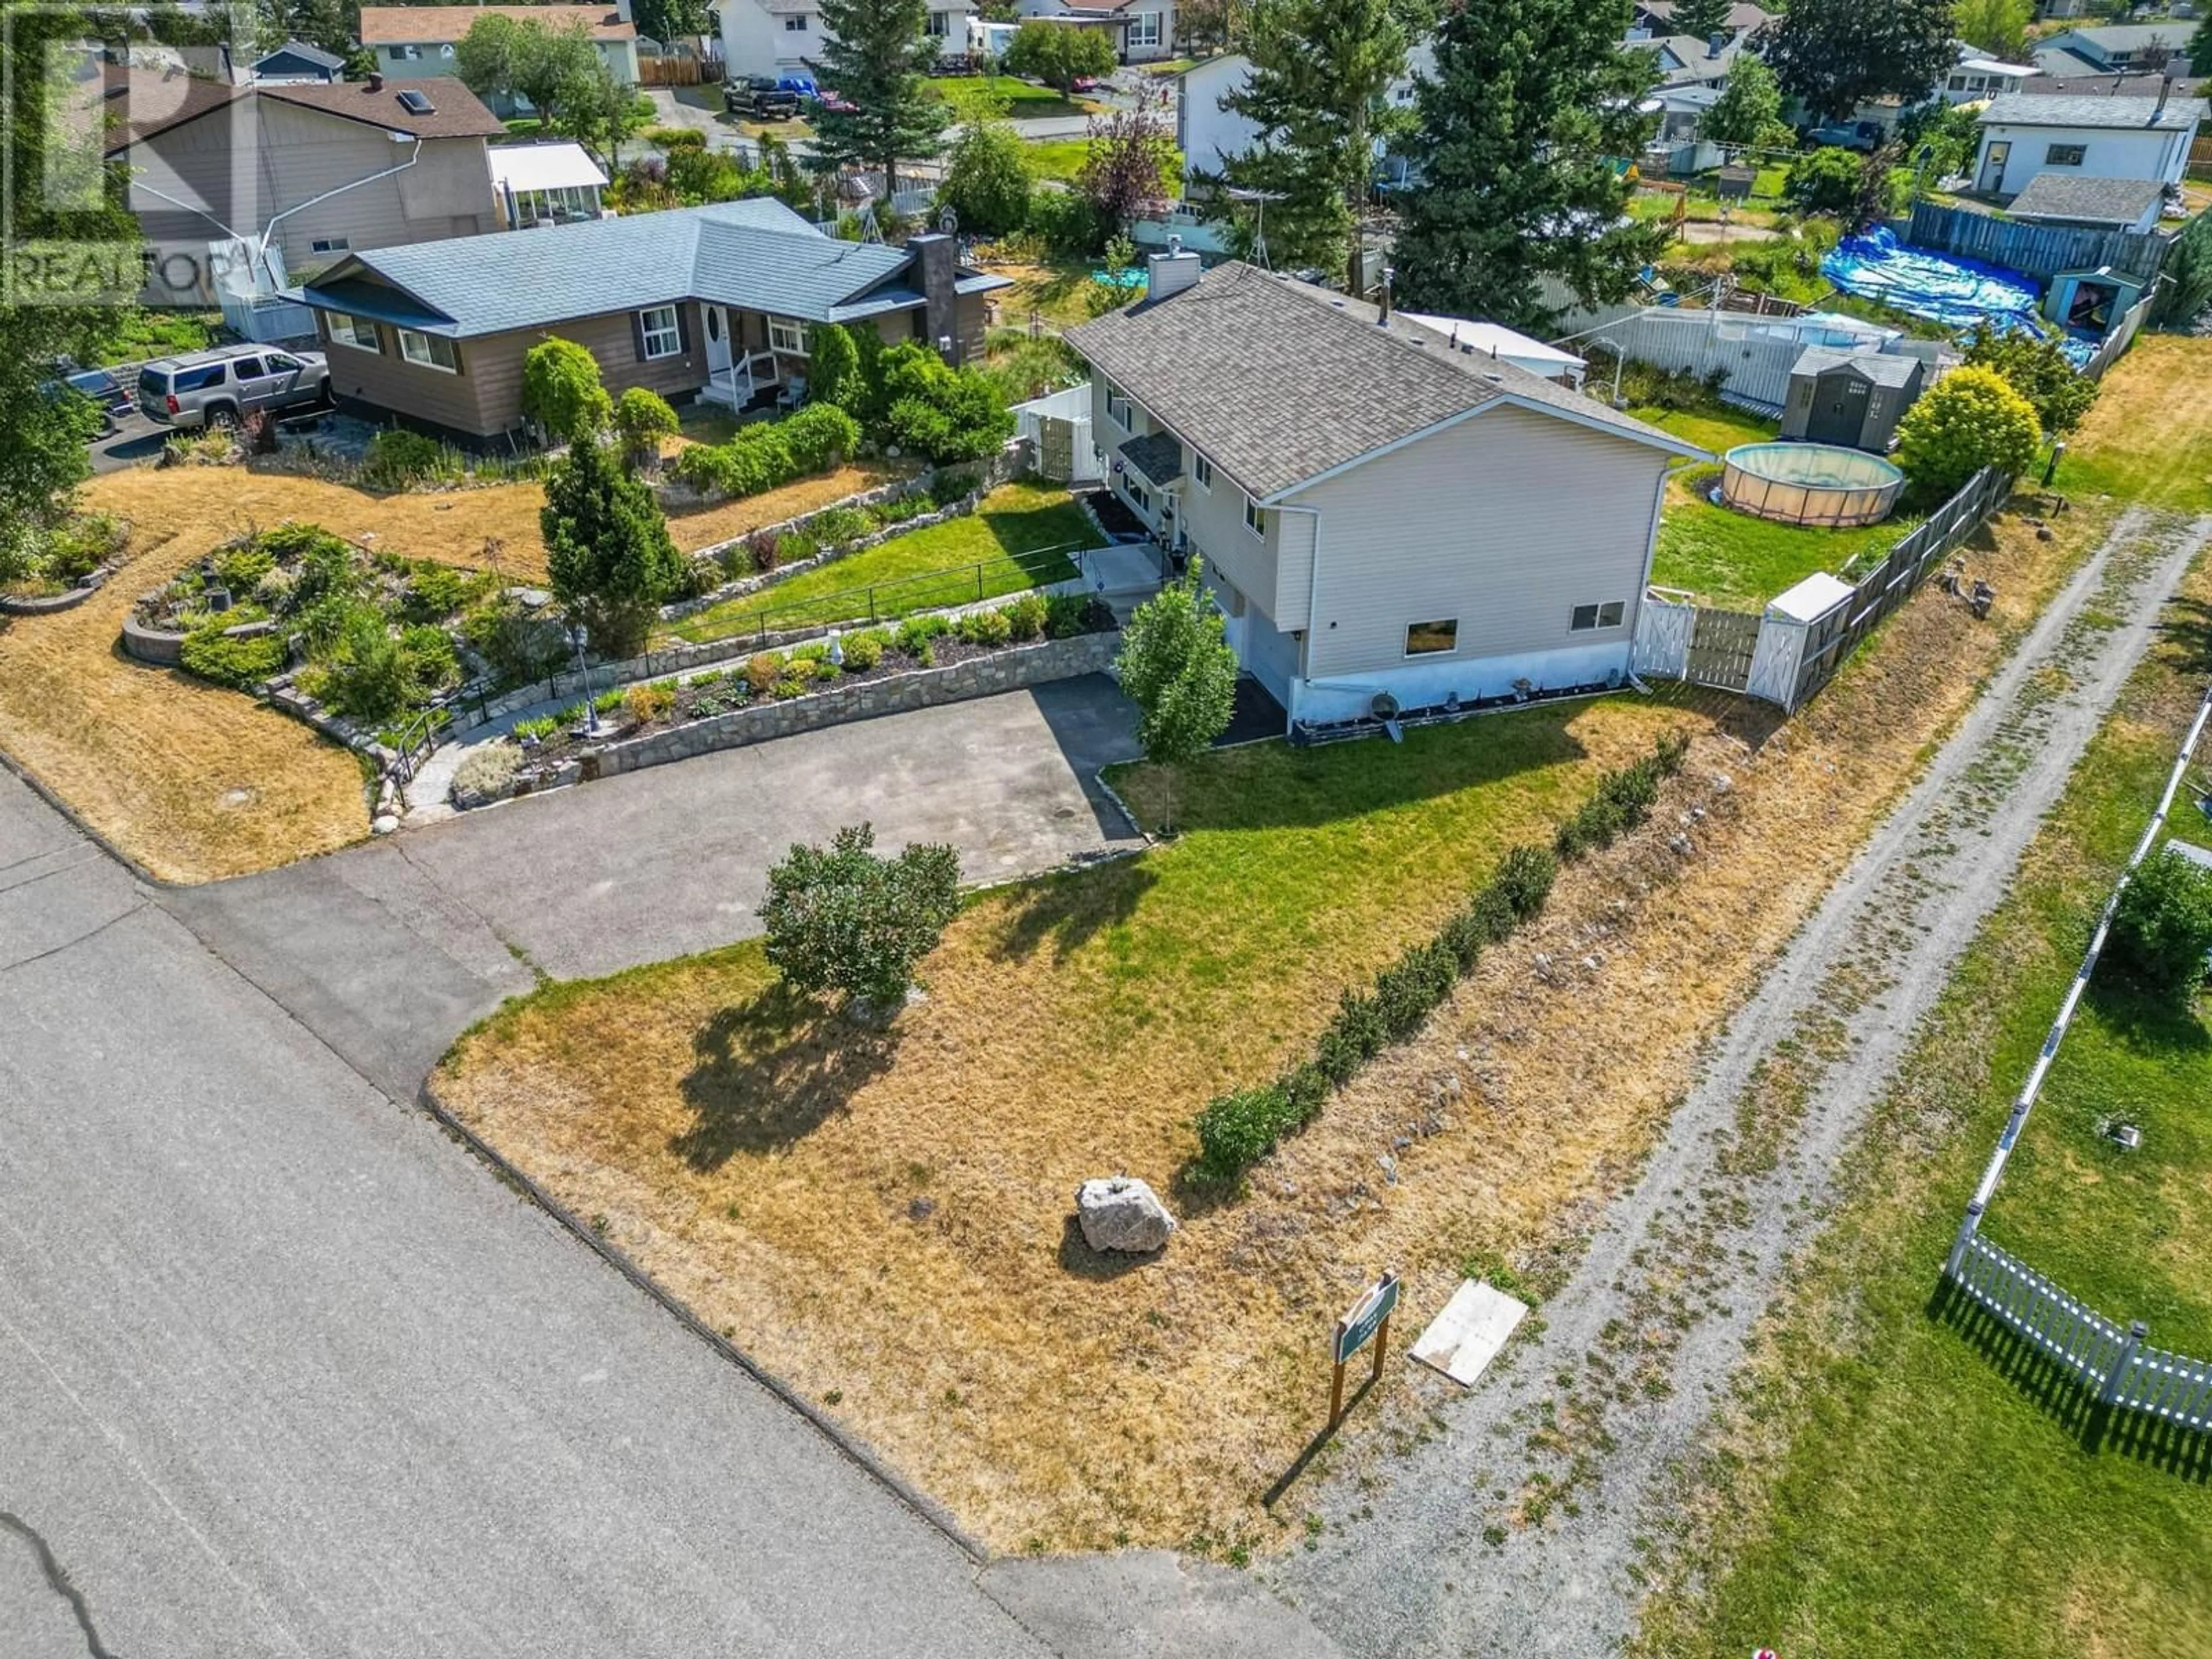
pixel 1467 1335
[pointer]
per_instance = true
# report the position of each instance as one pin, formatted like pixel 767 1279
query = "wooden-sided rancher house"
pixel 711 303
pixel 1384 519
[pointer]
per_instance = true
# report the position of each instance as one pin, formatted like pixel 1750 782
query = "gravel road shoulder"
pixel 1517 1527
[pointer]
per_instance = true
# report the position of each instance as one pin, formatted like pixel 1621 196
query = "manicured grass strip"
pixel 1025 100
pixel 1738 563
pixel 1019 538
pixel 1719 428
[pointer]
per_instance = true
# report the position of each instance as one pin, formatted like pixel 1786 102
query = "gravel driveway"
pixel 1685 1262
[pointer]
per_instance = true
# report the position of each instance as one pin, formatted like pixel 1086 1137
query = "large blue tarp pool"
pixel 1957 293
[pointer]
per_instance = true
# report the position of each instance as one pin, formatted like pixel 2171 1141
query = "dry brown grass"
pixel 728 519
pixel 889 1222
pixel 194 781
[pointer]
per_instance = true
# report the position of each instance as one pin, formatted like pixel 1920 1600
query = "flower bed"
pixel 62 566
pixel 924 660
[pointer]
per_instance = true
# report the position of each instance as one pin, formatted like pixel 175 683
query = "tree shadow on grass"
pixel 2185 636
pixel 2071 1404
pixel 2146 1019
pixel 770 1071
pixel 1067 911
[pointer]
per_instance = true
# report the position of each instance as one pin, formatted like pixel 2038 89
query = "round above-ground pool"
pixel 1810 483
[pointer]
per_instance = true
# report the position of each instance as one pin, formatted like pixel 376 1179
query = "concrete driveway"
pixel 388 951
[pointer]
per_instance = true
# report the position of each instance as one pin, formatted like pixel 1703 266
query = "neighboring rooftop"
pixel 307 54
pixel 2033 109
pixel 1742 16
pixel 2073 199
pixel 757 254
pixel 147 102
pixel 1278 381
pixel 387 26
pixel 563 164
pixel 2111 39
pixel 1687 58
pixel 2103 83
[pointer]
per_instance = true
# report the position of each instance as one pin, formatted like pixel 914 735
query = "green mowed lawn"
pixel 1021 538
pixel 1934 1496
pixel 1737 563
pixel 1062 159
pixel 1024 100
pixel 1718 428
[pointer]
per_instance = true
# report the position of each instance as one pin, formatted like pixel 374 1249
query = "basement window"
pixel 429 351
pixel 1431 638
pixel 1587 616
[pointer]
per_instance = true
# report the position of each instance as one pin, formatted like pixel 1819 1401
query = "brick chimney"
pixel 936 268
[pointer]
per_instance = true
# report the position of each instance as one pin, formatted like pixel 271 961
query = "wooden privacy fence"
pixel 677 71
pixel 2123 336
pixel 1785 660
pixel 2037 251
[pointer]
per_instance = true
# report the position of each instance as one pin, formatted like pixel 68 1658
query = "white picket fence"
pixel 2114 1362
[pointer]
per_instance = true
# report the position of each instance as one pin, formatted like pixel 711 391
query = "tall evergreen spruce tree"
pixel 1319 71
pixel 1699 19
pixel 877 56
pixel 1525 131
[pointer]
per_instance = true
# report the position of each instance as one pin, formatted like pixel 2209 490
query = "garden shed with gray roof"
pixel 1852 398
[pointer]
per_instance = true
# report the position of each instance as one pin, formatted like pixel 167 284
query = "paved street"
pixel 282 1371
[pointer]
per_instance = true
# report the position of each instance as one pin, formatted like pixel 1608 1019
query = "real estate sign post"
pixel 1367 1320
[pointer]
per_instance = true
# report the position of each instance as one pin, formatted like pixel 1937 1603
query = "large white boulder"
pixel 1119 1212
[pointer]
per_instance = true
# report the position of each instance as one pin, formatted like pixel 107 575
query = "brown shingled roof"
pixel 382 25
pixel 1278 381
pixel 147 102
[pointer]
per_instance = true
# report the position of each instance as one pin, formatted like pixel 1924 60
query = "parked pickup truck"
pixel 759 98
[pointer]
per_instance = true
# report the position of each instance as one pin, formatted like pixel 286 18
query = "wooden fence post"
pixel 2116 1378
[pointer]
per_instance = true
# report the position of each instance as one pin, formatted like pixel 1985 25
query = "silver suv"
pixel 218 387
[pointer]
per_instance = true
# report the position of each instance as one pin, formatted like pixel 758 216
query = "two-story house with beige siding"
pixel 320 169
pixel 710 302
pixel 1379 515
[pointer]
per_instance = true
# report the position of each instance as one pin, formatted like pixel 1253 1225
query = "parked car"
pixel 111 396
pixel 220 387
pixel 1851 134
pixel 760 97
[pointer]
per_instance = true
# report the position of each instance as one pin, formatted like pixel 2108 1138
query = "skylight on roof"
pixel 416 103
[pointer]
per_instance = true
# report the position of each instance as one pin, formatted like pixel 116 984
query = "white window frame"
pixel 937 26
pixel 1139 497
pixel 1450 624
pixel 1255 518
pixel 422 350
pixel 1202 471
pixel 794 22
pixel 346 330
pixel 1599 611
pixel 787 337
pixel 657 342
pixel 2050 155
pixel 1117 405
pixel 329 245
pixel 1144 29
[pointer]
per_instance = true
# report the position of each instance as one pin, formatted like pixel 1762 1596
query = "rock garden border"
pixel 45 605
pixel 1013 669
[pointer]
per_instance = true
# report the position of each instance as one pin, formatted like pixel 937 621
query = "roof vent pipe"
pixel 2164 89
pixel 375 82
pixel 1715 44
pixel 1383 312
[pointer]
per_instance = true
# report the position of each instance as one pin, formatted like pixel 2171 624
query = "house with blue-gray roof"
pixel 710 302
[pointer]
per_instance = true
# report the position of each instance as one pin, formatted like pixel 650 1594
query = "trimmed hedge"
pixel 765 455
pixel 1236 1130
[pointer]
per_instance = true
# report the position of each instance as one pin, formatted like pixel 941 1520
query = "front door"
pixel 718 342
pixel 1993 165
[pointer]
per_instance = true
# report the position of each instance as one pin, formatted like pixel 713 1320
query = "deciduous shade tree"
pixel 986 180
pixel 877 55
pixel 1315 93
pixel 1177 667
pixel 607 547
pixel 844 918
pixel 1834 55
pixel 2162 926
pixel 562 392
pixel 1749 108
pixel 1132 157
pixel 2037 369
pixel 1525 131
pixel 1970 419
pixel 1997 26
pixel 1824 181
pixel 522 57
pixel 1057 54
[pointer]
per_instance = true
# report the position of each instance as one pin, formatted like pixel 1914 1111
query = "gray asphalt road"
pixel 389 950
pixel 283 1372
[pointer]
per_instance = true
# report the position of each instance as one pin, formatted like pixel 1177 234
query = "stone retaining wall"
pixel 1013 669
pixel 165 649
